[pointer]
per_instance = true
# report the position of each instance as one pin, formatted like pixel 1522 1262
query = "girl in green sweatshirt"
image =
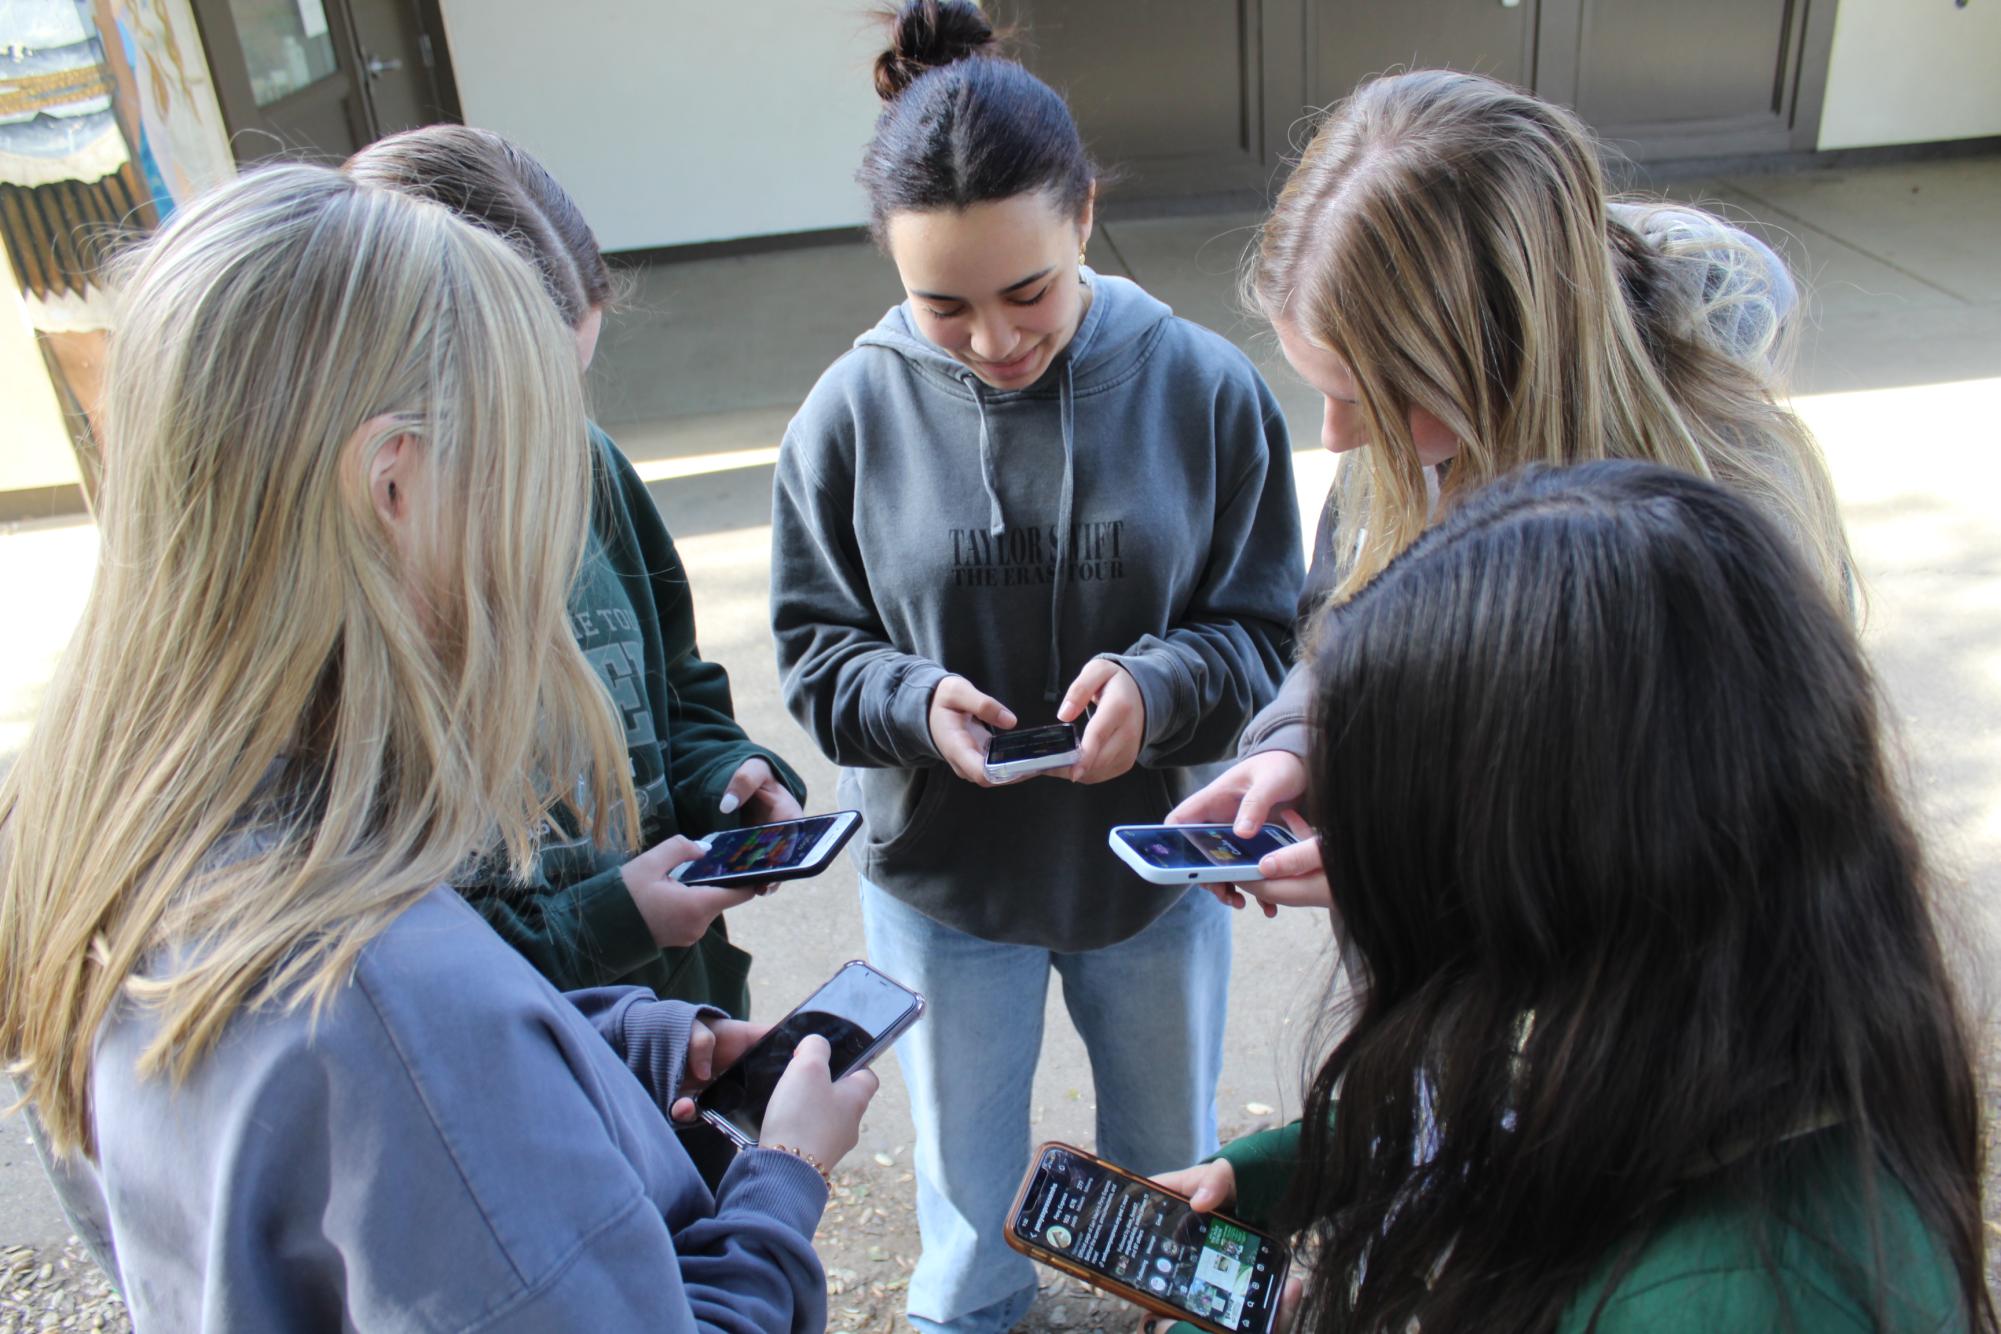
pixel 592 916
pixel 1653 1028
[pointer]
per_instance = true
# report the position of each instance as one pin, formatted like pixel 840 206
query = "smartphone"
pixel 1174 854
pixel 860 1012
pixel 1030 750
pixel 760 853
pixel 1120 1232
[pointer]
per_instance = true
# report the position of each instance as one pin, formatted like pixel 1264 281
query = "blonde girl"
pixel 1444 269
pixel 324 663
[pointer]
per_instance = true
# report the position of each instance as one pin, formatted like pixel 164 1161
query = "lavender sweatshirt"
pixel 455 1146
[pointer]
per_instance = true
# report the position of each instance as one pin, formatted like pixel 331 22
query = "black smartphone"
pixel 1120 1232
pixel 761 853
pixel 859 1011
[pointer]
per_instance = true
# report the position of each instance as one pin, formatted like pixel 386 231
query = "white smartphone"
pixel 761 853
pixel 1175 854
pixel 1030 750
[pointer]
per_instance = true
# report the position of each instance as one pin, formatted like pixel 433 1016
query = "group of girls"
pixel 340 963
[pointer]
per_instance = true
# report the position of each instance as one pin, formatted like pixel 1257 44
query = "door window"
pixel 286 45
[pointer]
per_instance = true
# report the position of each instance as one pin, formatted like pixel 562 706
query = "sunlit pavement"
pixel 1901 379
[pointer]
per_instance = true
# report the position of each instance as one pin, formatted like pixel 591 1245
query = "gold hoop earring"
pixel 1080 256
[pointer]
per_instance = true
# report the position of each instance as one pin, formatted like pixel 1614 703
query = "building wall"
pixel 679 122
pixel 1911 71
pixel 34 443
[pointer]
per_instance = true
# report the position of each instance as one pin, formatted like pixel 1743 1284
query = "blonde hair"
pixel 1447 236
pixel 264 742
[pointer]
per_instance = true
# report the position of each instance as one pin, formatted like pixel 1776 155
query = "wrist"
pixel 803 1156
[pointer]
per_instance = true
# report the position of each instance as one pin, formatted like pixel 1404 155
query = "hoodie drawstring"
pixel 1066 413
pixel 996 517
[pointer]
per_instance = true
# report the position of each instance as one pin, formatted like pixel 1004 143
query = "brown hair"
pixel 1446 235
pixel 491 182
pixel 963 125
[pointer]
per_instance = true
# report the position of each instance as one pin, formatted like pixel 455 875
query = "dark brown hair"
pixel 962 125
pixel 1643 928
pixel 489 181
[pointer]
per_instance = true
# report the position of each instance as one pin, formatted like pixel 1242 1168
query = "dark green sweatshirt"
pixel 634 618
pixel 1704 1270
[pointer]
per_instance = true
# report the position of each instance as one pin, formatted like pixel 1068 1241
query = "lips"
pixel 1009 370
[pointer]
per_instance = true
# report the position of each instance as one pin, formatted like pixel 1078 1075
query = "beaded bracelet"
pixel 803 1157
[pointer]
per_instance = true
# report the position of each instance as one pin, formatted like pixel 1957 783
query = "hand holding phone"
pixel 1117 729
pixel 1137 1238
pixel 676 915
pixel 1180 854
pixel 762 854
pixel 858 1013
pixel 961 720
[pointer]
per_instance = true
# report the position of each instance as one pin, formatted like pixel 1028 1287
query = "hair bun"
pixel 925 34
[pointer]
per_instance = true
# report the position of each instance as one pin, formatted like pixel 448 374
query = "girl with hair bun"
pixel 588 914
pixel 291 1080
pixel 1443 267
pixel 1029 492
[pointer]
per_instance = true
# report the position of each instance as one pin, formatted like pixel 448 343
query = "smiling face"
pixel 994 284
pixel 1342 426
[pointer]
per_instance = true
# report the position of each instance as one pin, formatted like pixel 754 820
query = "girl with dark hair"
pixel 1550 326
pixel 592 915
pixel 1029 490
pixel 1655 1033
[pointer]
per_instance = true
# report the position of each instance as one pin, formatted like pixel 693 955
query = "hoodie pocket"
pixel 898 805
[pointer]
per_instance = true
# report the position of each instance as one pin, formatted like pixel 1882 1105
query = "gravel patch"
pixel 56 1290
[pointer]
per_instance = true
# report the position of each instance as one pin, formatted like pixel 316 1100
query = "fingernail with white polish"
pixel 729 803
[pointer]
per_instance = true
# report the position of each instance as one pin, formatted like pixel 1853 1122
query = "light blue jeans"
pixel 1150 1010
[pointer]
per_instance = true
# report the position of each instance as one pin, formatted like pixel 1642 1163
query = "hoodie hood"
pixel 1116 331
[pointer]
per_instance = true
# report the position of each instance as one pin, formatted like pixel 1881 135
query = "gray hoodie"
pixel 1135 503
pixel 454 1146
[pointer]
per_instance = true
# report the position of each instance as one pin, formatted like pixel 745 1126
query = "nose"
pixel 992 338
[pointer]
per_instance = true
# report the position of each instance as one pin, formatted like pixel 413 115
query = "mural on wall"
pixel 107 119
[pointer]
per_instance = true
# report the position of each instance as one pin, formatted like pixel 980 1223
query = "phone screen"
pixel 852 1012
pixel 1031 743
pixel 1199 846
pixel 759 848
pixel 1143 1237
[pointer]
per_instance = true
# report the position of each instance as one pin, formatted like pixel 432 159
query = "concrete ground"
pixel 1900 376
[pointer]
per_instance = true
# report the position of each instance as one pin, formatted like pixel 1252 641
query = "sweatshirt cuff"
pixel 656 1043
pixel 908 708
pixel 1294 736
pixel 1264 1164
pixel 610 932
pixel 776 1184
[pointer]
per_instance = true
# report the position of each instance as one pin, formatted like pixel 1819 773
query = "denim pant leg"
pixel 969 1064
pixel 1150 1010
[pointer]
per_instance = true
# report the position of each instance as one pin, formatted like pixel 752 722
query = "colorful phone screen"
pixel 1197 847
pixel 1132 1232
pixel 759 849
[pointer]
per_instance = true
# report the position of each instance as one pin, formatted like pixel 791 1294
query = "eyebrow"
pixel 1029 281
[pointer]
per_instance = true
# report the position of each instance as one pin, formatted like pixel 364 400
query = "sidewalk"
pixel 1900 376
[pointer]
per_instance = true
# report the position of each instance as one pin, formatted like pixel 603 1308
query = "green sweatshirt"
pixel 635 621
pixel 1702 1273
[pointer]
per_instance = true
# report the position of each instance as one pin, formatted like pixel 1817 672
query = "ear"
pixel 391 470
pixel 1085 218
